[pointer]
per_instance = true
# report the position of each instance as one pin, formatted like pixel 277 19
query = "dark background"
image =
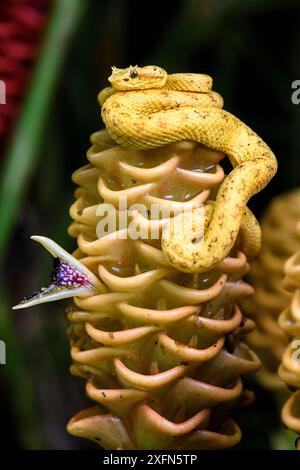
pixel 252 50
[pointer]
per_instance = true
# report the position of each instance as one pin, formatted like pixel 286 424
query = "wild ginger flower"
pixel 279 241
pixel 69 278
pixel 289 321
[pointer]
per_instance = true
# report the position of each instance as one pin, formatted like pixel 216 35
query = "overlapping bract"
pixel 161 350
pixel 289 320
pixel 279 241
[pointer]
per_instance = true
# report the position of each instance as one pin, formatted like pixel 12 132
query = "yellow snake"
pixel 146 108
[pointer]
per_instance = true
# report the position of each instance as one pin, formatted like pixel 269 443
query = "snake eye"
pixel 133 73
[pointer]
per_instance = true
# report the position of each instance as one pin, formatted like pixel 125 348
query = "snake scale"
pixel 146 108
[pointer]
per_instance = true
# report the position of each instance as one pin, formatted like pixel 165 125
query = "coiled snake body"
pixel 147 108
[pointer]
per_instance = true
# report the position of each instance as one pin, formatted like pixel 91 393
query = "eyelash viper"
pixel 146 108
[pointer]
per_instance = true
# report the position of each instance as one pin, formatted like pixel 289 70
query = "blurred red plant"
pixel 21 25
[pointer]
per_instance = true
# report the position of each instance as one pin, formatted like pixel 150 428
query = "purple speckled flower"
pixel 63 275
pixel 69 278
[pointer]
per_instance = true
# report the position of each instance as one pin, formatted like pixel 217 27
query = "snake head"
pixel 138 78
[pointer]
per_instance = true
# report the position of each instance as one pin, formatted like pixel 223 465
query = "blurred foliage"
pixel 251 48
